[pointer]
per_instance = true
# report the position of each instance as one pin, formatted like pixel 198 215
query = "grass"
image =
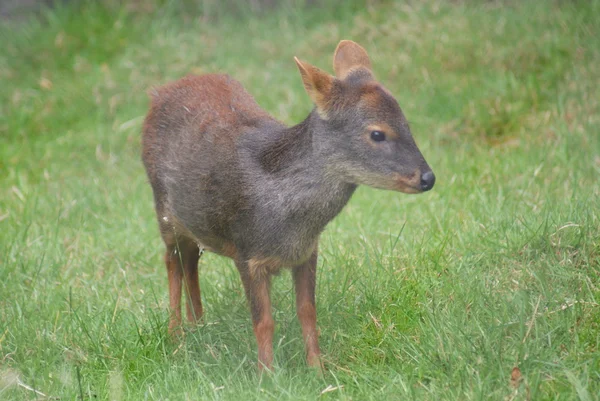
pixel 430 297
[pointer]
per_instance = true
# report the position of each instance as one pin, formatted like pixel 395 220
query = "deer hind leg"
pixel 192 286
pixel 175 274
pixel 181 259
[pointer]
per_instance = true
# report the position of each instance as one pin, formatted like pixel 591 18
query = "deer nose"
pixel 427 181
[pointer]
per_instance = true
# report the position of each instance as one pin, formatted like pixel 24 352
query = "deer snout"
pixel 427 180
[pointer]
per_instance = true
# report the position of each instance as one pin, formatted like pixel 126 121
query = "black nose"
pixel 427 180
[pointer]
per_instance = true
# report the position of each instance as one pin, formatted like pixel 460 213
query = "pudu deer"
pixel 229 178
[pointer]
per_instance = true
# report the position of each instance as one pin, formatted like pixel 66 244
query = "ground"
pixel 487 287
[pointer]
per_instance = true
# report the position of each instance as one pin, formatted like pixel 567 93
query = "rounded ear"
pixel 318 85
pixel 349 56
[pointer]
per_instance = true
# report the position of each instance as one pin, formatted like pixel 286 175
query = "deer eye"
pixel 377 136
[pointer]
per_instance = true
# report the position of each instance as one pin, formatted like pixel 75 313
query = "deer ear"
pixel 318 85
pixel 349 56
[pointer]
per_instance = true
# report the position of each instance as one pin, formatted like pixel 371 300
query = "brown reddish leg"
pixel 257 283
pixel 304 283
pixel 182 265
pixel 192 286
pixel 175 274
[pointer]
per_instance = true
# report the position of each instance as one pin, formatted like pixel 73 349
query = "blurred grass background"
pixel 438 296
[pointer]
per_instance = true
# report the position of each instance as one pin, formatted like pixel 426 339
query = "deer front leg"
pixel 304 283
pixel 257 283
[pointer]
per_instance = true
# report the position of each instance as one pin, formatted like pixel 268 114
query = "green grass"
pixel 429 297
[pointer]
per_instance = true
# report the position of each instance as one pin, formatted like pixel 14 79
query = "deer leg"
pixel 304 283
pixel 192 286
pixel 174 273
pixel 257 284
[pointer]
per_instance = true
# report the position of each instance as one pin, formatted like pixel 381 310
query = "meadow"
pixel 486 287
